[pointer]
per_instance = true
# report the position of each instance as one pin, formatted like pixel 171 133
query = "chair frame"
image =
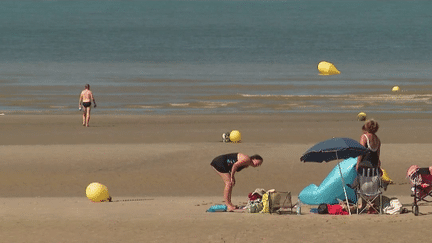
pixel 416 181
pixel 369 198
pixel 276 207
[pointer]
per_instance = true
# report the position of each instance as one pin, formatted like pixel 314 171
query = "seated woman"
pixel 370 140
pixel 369 165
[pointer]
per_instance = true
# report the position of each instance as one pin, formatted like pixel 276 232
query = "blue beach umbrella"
pixel 334 149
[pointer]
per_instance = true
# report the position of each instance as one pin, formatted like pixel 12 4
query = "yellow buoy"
pixel 235 136
pixel 97 192
pixel 326 68
pixel 361 116
pixel 396 89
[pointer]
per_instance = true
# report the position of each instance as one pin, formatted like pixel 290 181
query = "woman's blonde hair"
pixel 371 126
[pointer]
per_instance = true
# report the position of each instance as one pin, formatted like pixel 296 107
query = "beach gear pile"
pixel 271 201
pixel 255 202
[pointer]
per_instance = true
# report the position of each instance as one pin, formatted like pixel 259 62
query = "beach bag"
pixel 265 203
pixel 255 206
pixel 395 207
pixel 226 137
pixel 257 194
pixel 385 177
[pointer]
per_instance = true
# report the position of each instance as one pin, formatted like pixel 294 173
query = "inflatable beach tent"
pixel 330 189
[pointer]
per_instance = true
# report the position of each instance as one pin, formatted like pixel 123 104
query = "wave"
pixel 361 97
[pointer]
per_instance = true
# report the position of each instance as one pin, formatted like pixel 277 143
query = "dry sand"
pixel 158 173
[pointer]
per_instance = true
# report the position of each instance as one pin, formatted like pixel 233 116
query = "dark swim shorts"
pixel 224 163
pixel 219 165
pixel 86 104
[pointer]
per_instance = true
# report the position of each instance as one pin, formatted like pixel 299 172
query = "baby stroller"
pixel 421 181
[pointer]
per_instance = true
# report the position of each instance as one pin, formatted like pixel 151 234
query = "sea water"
pixel 214 57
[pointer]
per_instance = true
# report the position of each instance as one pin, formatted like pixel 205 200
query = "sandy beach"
pixel 158 173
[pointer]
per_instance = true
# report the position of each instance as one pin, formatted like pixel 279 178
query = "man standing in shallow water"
pixel 85 99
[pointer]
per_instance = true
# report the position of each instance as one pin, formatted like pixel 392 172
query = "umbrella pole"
pixel 343 186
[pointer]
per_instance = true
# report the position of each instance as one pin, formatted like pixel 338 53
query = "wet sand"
pixel 158 173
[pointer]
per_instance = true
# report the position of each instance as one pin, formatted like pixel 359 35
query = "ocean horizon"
pixel 215 57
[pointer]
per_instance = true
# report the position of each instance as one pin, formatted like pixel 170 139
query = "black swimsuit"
pixel 224 163
pixel 86 104
pixel 369 160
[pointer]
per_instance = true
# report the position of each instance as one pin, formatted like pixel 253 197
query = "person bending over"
pixel 227 165
pixel 85 100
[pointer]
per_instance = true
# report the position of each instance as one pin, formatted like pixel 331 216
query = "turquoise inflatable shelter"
pixel 330 190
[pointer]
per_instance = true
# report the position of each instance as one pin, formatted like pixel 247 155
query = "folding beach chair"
pixel 369 190
pixel 280 202
pixel 421 181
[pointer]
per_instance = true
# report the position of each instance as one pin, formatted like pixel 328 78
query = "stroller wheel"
pixel 415 210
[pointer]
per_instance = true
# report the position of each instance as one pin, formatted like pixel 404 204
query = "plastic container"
pixel 217 208
pixel 298 208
